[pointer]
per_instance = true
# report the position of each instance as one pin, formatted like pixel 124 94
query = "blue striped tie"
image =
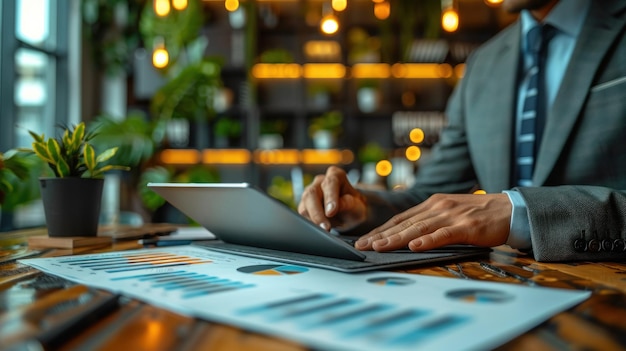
pixel 533 111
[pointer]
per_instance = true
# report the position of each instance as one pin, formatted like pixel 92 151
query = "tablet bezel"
pixel 242 214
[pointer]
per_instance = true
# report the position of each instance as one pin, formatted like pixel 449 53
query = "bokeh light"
pixel 383 168
pixel 450 20
pixel 413 153
pixel 330 24
pixel 416 135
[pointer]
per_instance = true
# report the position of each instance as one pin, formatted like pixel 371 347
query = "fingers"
pixel 334 186
pixel 481 220
pixel 419 237
pixel 321 199
pixel 395 234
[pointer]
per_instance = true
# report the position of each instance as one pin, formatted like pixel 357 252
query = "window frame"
pixel 63 91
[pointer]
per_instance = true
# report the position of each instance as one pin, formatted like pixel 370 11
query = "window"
pixel 39 56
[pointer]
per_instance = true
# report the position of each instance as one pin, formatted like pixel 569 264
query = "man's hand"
pixel 480 220
pixel 331 201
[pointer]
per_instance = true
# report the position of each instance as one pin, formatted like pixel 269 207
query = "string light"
pixel 160 56
pixel 231 5
pixel 180 4
pixel 161 7
pixel 382 10
pixel 493 2
pixel 339 5
pixel 449 16
pixel 330 24
pixel 450 20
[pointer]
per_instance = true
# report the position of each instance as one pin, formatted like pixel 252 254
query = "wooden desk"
pixel 597 324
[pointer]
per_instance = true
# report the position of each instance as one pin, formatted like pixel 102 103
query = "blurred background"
pixel 269 92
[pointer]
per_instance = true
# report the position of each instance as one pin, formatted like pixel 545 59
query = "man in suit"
pixel 573 208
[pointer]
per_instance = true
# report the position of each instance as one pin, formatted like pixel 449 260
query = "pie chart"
pixel 272 269
pixel 391 281
pixel 480 296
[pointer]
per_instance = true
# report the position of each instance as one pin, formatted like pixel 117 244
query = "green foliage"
pixel 151 200
pixel 190 94
pixel 331 121
pixel 178 29
pixel 228 127
pixel 282 190
pixel 112 41
pixel 19 172
pixel 276 56
pixel 72 155
pixel 371 152
pixel 136 138
pixel 273 126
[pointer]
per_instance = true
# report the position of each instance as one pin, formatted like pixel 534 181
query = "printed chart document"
pixel 320 308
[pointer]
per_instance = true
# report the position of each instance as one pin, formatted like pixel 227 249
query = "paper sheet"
pixel 320 308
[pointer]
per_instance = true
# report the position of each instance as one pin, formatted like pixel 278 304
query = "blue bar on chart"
pixel 355 319
pixel 188 284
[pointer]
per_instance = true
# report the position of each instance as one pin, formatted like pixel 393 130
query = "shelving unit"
pixel 412 94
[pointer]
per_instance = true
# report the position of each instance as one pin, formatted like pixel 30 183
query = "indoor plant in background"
pixel 325 129
pixel 18 185
pixel 71 198
pixel 227 131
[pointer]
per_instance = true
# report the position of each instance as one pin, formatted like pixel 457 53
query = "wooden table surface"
pixel 31 304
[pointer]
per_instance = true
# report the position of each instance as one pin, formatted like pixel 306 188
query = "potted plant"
pixel 325 129
pixel 271 133
pixel 227 131
pixel 71 198
pixel 368 96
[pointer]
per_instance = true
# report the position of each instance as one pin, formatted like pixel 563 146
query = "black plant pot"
pixel 71 205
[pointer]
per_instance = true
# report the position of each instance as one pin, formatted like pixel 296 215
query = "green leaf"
pixel 63 170
pixel 107 154
pixel 40 149
pixel 107 168
pixel 37 138
pixel 89 155
pixel 5 185
pixel 54 150
pixel 78 136
pixel 66 140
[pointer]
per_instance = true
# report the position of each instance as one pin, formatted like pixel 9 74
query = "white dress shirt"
pixel 567 17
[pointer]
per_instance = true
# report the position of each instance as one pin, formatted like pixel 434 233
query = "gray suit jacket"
pixel 581 166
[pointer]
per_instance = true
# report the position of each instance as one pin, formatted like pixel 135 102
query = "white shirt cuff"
pixel 519 231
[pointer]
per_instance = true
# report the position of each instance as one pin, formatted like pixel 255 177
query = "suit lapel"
pixel 597 34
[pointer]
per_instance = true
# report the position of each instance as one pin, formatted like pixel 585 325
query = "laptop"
pixel 249 222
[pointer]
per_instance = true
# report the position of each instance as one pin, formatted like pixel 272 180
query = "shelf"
pixel 357 71
pixel 180 157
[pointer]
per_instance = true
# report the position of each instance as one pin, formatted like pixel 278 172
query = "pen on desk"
pixel 157 242
pixel 503 273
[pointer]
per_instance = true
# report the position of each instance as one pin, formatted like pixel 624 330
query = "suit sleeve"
pixel 576 222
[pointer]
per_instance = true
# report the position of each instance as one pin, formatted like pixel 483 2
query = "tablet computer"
pixel 249 222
